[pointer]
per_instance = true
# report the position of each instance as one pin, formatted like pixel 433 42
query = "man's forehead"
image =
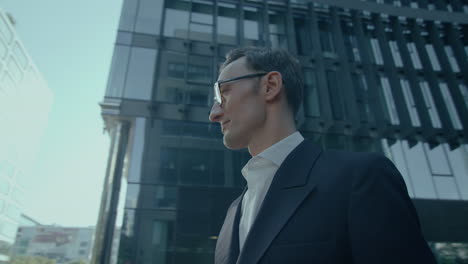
pixel 234 69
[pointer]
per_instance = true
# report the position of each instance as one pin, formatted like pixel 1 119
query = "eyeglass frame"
pixel 217 85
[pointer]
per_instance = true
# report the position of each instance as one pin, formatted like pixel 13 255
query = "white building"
pixel 64 244
pixel 25 101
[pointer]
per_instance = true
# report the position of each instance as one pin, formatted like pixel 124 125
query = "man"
pixel 303 204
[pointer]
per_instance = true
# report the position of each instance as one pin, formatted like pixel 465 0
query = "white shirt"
pixel 259 173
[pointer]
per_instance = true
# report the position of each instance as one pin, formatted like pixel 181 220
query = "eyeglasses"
pixel 217 92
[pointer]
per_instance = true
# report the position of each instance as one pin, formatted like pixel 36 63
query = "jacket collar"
pixel 291 184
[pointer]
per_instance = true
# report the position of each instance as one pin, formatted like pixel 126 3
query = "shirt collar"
pixel 278 152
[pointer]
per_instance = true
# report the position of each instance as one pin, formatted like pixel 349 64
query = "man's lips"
pixel 223 124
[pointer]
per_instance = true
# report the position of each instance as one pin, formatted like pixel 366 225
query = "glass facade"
pixel 391 82
pixel 21 88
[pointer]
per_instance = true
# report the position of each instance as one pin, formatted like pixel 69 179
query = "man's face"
pixel 242 113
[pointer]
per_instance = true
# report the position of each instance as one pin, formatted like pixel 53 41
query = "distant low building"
pixel 64 244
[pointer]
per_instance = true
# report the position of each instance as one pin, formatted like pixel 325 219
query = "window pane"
pixel 390 102
pixel 414 55
pixel 277 22
pixel 433 57
pixel 201 21
pixel 195 166
pixel 168 165
pixel 362 97
pixel 176 21
pixel 446 188
pixel 450 105
pixel 151 196
pixel 199 69
pixel 252 24
pixel 336 97
pixel 149 17
pixel 395 53
pixel 140 76
pixel 304 46
pixel 217 175
pixel 311 95
pixel 452 59
pixel 410 104
pixel 196 129
pixel 429 101
pixel 197 94
pixel 437 160
pixel 119 70
pixel 171 82
pixel 127 17
pixel 376 51
pixel 227 23
pixel 326 38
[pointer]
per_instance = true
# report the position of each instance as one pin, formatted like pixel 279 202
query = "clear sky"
pixel 71 43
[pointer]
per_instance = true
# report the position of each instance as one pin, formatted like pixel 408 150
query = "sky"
pixel 71 43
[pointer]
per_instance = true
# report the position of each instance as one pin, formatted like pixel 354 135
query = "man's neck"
pixel 269 136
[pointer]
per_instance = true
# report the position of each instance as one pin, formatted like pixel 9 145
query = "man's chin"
pixel 230 143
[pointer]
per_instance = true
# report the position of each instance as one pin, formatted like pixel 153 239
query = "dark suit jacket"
pixel 329 207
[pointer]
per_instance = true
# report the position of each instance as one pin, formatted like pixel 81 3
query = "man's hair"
pixel 267 59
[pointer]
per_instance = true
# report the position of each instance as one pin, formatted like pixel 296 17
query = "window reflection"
pixel 252 25
pixel 195 165
pixel 390 102
pixel 311 95
pixel 201 21
pixel 139 82
pixel 410 104
pixel 450 105
pixel 452 59
pixel 336 96
pixel 414 55
pixel 429 101
pixel 302 32
pixel 149 17
pixel 176 70
pixel 168 165
pixel 150 196
pixel 437 160
pixel 127 16
pixel 277 28
pixel 432 57
pixel 362 97
pixel 117 75
pixel 176 19
pixel 326 38
pixel 395 53
pixel 227 23
pixel 376 51
pixel 199 70
pixel 350 41
pixel 171 84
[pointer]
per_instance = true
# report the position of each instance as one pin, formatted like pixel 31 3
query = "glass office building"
pixel 385 76
pixel 22 88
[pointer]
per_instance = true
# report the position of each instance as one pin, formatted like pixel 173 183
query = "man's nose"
pixel 216 113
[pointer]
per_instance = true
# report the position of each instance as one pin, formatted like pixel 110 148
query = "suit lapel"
pixel 227 246
pixel 289 188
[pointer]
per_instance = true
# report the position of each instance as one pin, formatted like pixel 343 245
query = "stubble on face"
pixel 243 112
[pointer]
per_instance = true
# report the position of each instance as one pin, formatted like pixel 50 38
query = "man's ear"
pixel 273 85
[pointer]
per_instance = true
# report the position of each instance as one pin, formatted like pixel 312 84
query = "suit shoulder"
pixel 354 158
